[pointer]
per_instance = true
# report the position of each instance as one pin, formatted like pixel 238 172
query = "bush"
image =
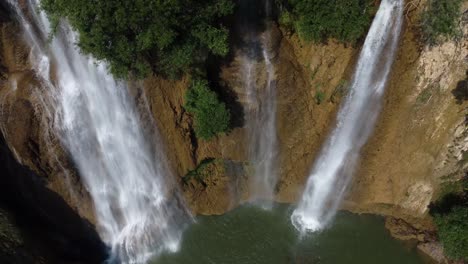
pixel 453 232
pixel 318 20
pixel 211 115
pixel 319 97
pixel 439 20
pixel 200 171
pixel 450 214
pixel 286 20
pixel 140 36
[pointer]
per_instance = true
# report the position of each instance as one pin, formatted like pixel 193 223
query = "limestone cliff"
pixel 420 138
pixel 302 70
pixel 27 124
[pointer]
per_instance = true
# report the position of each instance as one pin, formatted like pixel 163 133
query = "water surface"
pixel 249 235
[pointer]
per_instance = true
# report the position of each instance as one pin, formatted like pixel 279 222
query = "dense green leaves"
pixel 318 20
pixel 450 214
pixel 453 232
pixel 440 20
pixel 140 36
pixel 211 115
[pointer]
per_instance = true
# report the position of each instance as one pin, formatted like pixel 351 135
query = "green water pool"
pixel 250 235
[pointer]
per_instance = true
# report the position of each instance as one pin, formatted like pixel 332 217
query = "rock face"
pixel 27 125
pixel 421 135
pixel 216 186
pixel 36 224
pixel 302 71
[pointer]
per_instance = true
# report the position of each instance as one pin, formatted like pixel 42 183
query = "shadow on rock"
pixel 461 91
pixel 53 227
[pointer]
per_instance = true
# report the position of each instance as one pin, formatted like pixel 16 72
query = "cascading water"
pixel 138 210
pixel 262 121
pixel 335 165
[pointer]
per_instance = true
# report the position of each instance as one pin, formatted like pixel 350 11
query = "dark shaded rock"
pixel 51 227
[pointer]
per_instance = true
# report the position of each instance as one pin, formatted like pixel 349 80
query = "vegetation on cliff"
pixel 440 20
pixel 451 217
pixel 200 171
pixel 211 115
pixel 318 20
pixel 453 232
pixel 141 36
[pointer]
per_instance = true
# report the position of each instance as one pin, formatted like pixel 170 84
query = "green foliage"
pixel 211 115
pixel 318 20
pixel 453 231
pixel 140 36
pixel 199 172
pixel 450 214
pixel 439 20
pixel 319 97
pixel 286 19
pixel 424 96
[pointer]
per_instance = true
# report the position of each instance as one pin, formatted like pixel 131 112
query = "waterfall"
pixel 262 121
pixel 335 165
pixel 138 210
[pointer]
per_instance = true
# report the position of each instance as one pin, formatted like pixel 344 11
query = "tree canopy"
pixel 440 20
pixel 140 36
pixel 211 115
pixel 318 20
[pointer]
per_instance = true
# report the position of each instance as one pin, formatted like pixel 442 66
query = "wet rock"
pixel 52 228
pixel 434 250
pixel 216 186
pixel 402 230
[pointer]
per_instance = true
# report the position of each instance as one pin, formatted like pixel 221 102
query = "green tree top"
pixel 318 20
pixel 211 115
pixel 140 36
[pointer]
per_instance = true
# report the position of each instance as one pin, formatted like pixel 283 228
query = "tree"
pixel 211 115
pixel 453 232
pixel 140 36
pixel 318 20
pixel 439 20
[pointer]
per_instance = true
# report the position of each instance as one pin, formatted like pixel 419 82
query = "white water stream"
pixel 138 211
pixel 336 163
pixel 262 122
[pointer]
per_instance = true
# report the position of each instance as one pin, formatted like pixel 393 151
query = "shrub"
pixel 318 20
pixel 319 97
pixel 439 20
pixel 211 115
pixel 286 20
pixel 140 36
pixel 453 232
pixel 200 171
pixel 450 214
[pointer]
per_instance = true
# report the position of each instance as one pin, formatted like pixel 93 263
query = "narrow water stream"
pixel 250 235
pixel 261 99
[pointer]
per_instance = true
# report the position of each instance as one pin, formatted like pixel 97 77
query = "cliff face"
pixel 301 71
pixel 419 140
pixel 39 220
pixel 27 124
pixel 36 224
